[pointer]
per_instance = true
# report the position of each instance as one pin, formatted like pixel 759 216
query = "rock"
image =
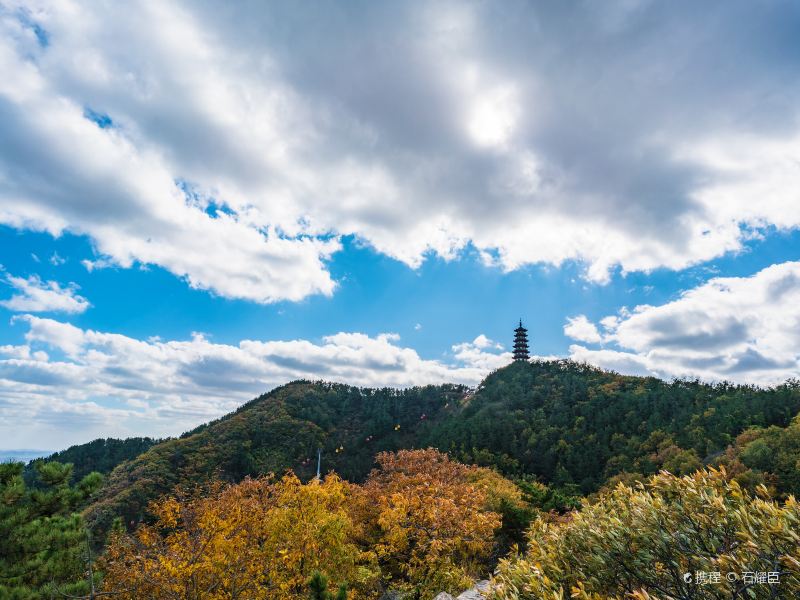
pixel 393 595
pixel 477 592
pixel 443 596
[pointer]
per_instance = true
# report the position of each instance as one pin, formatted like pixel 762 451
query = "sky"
pixel 200 201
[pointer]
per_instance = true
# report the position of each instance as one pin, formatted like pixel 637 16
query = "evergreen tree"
pixel 318 588
pixel 43 541
pixel 569 425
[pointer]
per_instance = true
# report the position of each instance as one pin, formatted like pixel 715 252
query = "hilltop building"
pixel 521 343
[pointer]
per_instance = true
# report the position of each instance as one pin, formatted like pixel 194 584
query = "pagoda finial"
pixel 521 343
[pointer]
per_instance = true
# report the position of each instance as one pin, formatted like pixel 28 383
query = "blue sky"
pixel 200 202
pixel 450 301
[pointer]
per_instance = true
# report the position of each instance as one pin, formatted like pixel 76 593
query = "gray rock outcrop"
pixel 476 592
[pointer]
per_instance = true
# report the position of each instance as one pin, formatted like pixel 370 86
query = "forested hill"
pixel 575 425
pixel 278 431
pixel 100 455
pixel 568 424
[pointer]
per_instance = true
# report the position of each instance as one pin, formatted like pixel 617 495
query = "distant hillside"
pixel 568 424
pixel 100 455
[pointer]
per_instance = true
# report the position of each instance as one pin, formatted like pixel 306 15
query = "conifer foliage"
pixel 44 544
pixel 551 436
pixel 318 588
pixel 571 426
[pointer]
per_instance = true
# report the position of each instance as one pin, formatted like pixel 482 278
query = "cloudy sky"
pixel 200 201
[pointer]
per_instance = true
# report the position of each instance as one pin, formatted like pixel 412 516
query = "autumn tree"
pixel 428 520
pixel 640 542
pixel 260 539
pixel 421 523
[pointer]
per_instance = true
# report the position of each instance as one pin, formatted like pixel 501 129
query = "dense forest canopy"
pixel 420 523
pixel 575 425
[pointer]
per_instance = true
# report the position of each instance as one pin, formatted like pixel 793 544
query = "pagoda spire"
pixel 521 343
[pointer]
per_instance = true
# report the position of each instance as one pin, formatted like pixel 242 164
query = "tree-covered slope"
pixel 567 424
pixel 278 431
pixel 570 423
pixel 769 456
pixel 100 455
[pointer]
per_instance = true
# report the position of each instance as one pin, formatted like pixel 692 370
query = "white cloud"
pixel 22 353
pixel 483 342
pixel 220 143
pixel 757 178
pixel 744 329
pixel 482 352
pixel 613 360
pixel 118 185
pixel 34 295
pixel 582 329
pixel 95 383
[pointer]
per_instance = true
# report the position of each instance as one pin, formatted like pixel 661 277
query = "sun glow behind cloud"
pixel 493 116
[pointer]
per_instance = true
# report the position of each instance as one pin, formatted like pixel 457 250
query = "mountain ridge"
pixel 567 424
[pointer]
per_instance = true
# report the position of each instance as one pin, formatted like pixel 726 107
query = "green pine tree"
pixel 342 593
pixel 43 539
pixel 318 588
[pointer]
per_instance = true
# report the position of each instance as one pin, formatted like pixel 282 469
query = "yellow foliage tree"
pixel 497 489
pixel 421 523
pixel 431 526
pixel 667 538
pixel 260 539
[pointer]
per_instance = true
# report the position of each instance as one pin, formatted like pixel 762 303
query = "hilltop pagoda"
pixel 521 343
